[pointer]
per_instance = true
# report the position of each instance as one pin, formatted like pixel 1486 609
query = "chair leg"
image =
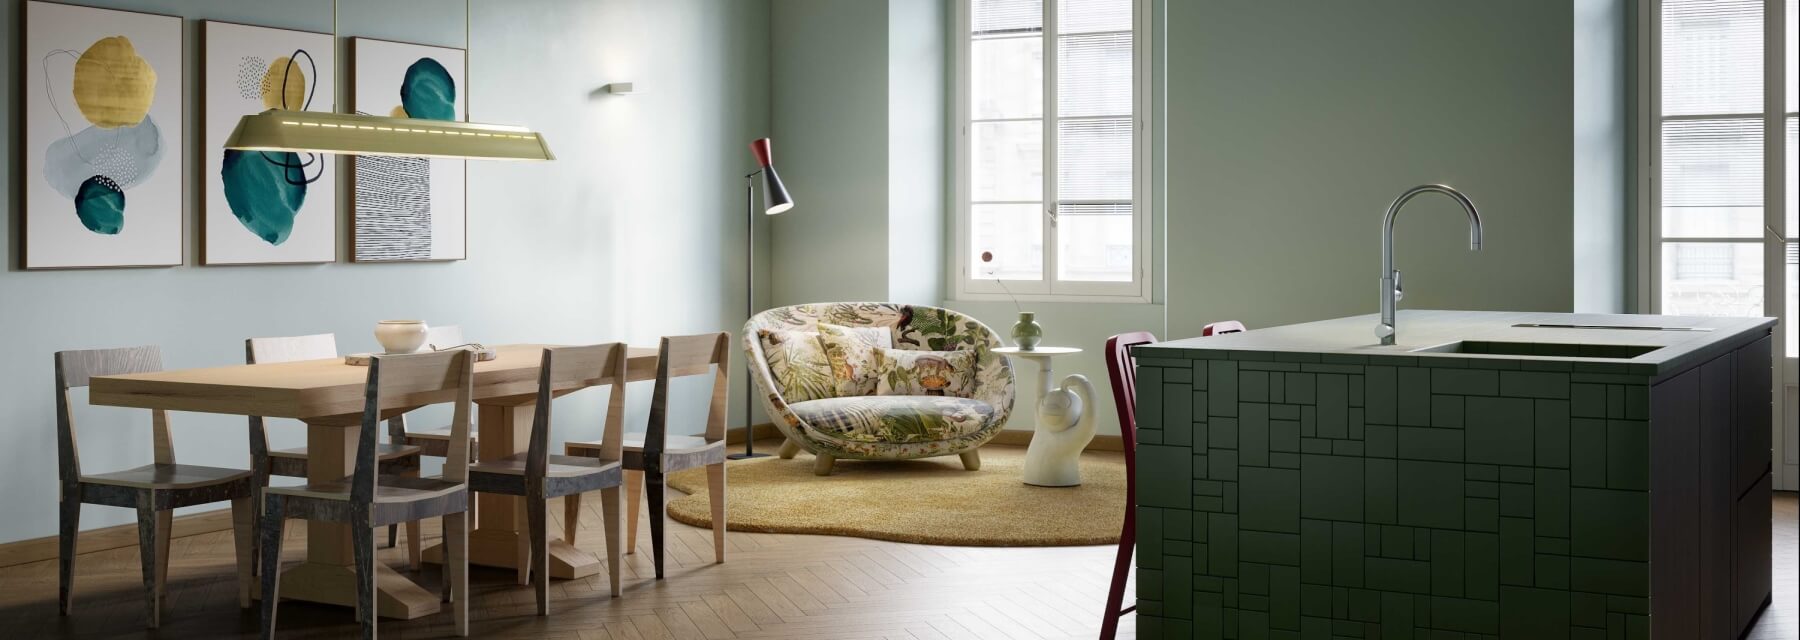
pixel 571 517
pixel 1115 594
pixel 270 532
pixel 789 449
pixel 971 459
pixel 362 543
pixel 71 527
pixel 415 549
pixel 146 508
pixel 609 513
pixel 715 497
pixel 653 486
pixel 243 529
pixel 538 525
pixel 822 464
pixel 634 495
pixel 165 528
pixel 522 551
pixel 456 559
pixel 394 536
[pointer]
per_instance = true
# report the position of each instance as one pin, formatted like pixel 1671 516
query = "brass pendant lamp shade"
pixel 321 132
pixel 356 134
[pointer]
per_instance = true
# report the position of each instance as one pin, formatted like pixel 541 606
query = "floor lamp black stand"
pixel 775 200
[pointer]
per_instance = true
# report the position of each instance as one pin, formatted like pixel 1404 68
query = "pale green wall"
pixel 1293 124
pixel 634 232
pixel 859 128
pixel 1602 229
pixel 829 108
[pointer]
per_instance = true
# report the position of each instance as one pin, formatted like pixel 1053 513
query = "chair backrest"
pixel 74 369
pixel 444 337
pixel 1122 370
pixel 400 375
pixel 1222 327
pixel 566 368
pixel 290 348
pixel 318 346
pixel 680 356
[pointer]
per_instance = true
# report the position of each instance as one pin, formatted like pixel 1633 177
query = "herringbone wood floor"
pixel 771 586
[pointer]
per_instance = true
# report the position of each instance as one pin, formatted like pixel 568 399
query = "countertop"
pixel 1354 338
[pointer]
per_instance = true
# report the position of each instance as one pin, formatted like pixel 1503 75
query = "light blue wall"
pixel 634 232
pixel 1602 218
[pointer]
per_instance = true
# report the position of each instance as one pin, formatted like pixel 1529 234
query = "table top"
pixel 323 388
pixel 1040 352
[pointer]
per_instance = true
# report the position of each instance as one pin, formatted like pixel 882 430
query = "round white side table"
pixel 1064 424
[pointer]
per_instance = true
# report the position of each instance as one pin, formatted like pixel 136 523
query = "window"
pixel 1721 216
pixel 1051 193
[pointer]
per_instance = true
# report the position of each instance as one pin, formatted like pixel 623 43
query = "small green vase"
pixel 1027 332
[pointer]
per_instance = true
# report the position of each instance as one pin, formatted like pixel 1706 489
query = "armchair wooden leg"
pixel 609 514
pixel 571 517
pixel 243 529
pixel 270 532
pixel 71 528
pixel 822 464
pixel 789 449
pixel 653 486
pixel 147 534
pixel 634 495
pixel 971 459
pixel 715 496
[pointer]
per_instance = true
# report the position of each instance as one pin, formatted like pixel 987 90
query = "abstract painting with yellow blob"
pixel 102 138
pixel 266 207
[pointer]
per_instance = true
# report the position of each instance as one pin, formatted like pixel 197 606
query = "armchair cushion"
pixel 903 372
pixel 896 419
pixel 829 363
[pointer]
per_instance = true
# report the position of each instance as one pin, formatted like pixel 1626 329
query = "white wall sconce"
pixel 620 88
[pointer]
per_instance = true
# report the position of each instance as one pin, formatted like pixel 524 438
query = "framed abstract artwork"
pixel 266 207
pixel 103 138
pixel 407 208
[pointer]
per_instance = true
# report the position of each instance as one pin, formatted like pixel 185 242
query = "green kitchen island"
pixel 1495 474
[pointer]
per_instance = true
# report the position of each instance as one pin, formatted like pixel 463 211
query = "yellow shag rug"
pixel 930 501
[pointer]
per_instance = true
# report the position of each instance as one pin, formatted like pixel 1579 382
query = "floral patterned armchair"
pixel 887 427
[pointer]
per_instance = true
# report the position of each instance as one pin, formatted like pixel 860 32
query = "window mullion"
pixel 1050 131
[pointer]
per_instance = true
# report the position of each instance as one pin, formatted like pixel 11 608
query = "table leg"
pixel 1064 427
pixel 500 527
pixel 328 575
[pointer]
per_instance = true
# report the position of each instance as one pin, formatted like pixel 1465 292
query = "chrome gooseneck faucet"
pixel 1390 278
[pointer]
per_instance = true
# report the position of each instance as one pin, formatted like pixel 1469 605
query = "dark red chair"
pixel 1222 327
pixel 1122 371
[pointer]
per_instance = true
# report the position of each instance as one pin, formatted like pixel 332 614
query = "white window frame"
pixel 1049 288
pixel 1774 115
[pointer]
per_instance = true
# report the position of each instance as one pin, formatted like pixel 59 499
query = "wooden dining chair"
pixel 395 459
pixel 1123 371
pixel 537 475
pixel 648 456
pixel 155 490
pixel 432 442
pixel 367 499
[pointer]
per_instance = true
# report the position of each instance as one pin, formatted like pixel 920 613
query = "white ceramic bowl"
pixel 401 336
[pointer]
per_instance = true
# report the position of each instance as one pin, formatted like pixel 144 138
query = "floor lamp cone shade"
pixel 775 195
pixel 321 132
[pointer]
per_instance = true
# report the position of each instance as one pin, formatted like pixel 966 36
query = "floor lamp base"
pixel 742 456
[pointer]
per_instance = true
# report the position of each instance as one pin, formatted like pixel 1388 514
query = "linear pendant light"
pixel 356 134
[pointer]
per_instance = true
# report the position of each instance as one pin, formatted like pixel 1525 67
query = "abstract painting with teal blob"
pixel 265 191
pixel 428 92
pixel 100 204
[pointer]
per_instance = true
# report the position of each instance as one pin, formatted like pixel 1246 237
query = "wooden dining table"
pixel 327 395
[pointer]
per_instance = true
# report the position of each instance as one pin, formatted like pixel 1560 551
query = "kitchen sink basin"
pixel 1554 349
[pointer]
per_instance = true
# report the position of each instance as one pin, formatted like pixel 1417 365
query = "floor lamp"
pixel 775 200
